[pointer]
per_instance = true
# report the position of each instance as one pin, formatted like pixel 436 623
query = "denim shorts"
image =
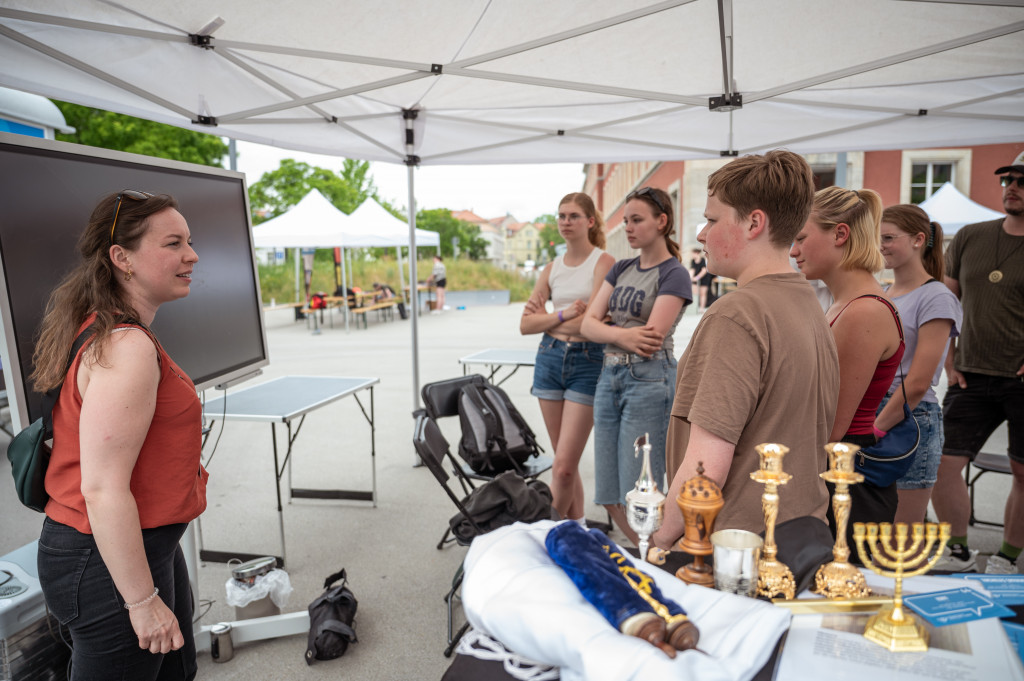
pixel 567 371
pixel 970 415
pixel 632 399
pixel 925 469
pixel 80 593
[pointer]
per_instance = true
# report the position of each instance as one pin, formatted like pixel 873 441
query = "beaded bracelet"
pixel 132 606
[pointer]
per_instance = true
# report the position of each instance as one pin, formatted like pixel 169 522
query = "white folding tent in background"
pixel 315 222
pixel 514 81
pixel 951 209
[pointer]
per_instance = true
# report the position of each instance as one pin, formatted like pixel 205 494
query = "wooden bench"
pixel 384 307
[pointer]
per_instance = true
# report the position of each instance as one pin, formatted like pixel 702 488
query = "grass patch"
pixel 277 282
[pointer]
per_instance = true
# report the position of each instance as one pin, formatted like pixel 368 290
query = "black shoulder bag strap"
pixel 51 396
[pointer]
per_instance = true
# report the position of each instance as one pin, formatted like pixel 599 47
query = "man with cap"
pixel 985 369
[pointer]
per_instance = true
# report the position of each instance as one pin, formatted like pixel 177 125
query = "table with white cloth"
pixel 288 400
pixel 530 621
pixel 496 359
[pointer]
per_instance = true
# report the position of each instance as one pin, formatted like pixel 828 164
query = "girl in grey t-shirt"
pixel 643 299
pixel 931 316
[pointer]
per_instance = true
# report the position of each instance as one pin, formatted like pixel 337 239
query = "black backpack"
pixel 495 438
pixel 331 621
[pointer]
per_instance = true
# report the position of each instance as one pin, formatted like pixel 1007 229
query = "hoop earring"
pixel 128 274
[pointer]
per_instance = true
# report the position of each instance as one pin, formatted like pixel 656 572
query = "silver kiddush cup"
pixel 645 505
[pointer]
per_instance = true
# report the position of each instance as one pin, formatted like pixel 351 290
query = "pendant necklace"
pixel 996 275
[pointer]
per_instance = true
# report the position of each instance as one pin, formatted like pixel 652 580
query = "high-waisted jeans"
pixel 80 593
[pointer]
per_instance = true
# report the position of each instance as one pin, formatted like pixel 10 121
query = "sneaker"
pixel 997 565
pixel 952 562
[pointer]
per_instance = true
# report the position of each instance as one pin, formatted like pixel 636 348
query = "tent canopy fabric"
pixel 315 222
pixel 513 81
pixel 951 209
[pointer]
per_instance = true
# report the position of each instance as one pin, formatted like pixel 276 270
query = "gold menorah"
pixel 892 627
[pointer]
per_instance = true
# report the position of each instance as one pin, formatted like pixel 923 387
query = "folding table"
pixel 283 400
pixel 497 358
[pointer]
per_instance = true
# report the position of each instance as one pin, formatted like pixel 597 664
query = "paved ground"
pixel 394 569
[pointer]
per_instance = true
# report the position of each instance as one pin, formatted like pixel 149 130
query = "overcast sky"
pixel 525 191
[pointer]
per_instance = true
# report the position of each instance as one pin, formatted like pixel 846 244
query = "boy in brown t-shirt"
pixel 761 365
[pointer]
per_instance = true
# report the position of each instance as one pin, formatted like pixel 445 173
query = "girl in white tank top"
pixel 568 366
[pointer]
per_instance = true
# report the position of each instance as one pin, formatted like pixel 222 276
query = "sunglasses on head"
pixel 130 194
pixel 1007 180
pixel 651 194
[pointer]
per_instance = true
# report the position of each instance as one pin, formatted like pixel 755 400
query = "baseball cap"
pixel 1018 165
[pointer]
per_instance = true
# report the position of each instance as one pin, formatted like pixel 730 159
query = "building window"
pixel 924 171
pixel 926 178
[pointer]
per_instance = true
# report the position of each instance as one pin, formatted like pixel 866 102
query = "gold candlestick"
pixel 840 579
pixel 773 577
pixel 892 627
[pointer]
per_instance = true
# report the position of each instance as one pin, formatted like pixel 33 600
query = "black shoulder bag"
pixel 29 451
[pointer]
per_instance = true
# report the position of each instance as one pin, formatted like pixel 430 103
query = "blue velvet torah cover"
pixel 603 574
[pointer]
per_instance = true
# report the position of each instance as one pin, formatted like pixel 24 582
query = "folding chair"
pixel 985 462
pixel 441 399
pixel 433 448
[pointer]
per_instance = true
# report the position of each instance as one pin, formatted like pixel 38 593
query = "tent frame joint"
pixel 204 42
pixel 412 160
pixel 436 69
pixel 209 121
pixel 726 102
pixel 728 152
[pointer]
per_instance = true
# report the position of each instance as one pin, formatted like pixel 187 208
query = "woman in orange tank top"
pixel 125 477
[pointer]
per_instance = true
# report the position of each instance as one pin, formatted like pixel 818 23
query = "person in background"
pixel 701 278
pixel 840 244
pixel 761 365
pixel 644 298
pixel 931 315
pixel 382 292
pixel 124 477
pixel 568 366
pixel 985 370
pixel 439 278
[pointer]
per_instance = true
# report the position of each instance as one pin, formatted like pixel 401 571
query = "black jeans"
pixel 80 593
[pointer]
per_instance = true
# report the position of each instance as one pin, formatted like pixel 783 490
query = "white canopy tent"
pixel 314 222
pixel 951 209
pixel 514 81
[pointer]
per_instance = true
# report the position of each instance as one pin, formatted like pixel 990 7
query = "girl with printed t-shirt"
pixel 568 366
pixel 643 298
pixel 931 315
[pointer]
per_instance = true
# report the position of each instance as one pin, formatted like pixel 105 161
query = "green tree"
pixel 549 235
pixel 440 220
pixel 279 190
pixel 108 130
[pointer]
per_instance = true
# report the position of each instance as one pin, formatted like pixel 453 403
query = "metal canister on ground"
pixel 221 647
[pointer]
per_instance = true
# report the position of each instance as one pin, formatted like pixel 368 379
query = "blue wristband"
pixel 560 316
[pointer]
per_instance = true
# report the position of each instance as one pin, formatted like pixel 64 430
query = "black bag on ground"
pixel 402 312
pixel 331 620
pixel 495 437
pixel 505 500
